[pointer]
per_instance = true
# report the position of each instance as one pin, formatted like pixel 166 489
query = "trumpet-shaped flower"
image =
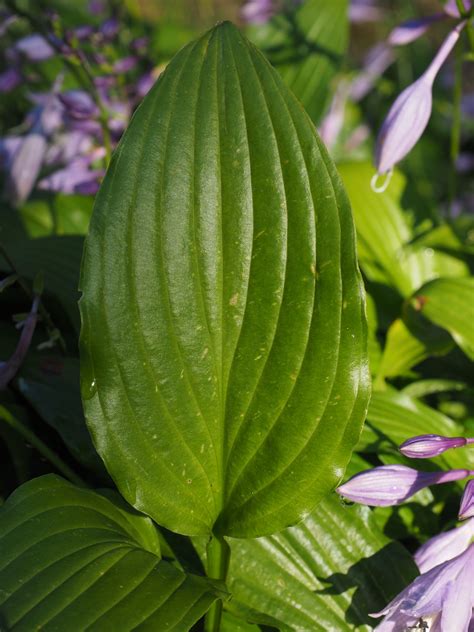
pixel 430 445
pixel 392 484
pixel 444 546
pixel 466 509
pixel 444 595
pixel 409 114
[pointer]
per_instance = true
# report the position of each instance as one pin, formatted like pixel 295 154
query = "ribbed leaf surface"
pixel 224 343
pixel 325 574
pixel 71 559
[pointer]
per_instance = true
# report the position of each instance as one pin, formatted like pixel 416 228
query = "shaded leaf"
pixel 72 559
pixel 224 340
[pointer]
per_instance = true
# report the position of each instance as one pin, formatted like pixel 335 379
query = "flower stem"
pixel 42 448
pixel 455 128
pixel 218 558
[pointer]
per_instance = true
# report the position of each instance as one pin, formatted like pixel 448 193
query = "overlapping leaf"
pixel 71 559
pixel 224 336
pixel 306 45
pixel 326 574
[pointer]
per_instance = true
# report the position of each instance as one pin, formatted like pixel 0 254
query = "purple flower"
pixel 444 546
pixel 451 7
pixel 75 178
pixel 258 11
pixel 409 114
pixel 79 104
pixel 444 596
pixel 466 509
pixel 145 84
pixel 34 47
pixel 430 445
pixel 25 167
pixel 361 11
pixel 392 484
pixel 411 30
pixel 9 369
pixel 375 64
pixel 125 65
pixel 110 28
pixel 10 79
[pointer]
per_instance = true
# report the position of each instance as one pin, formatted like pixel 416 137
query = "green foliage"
pixel 306 45
pixel 223 347
pixel 74 559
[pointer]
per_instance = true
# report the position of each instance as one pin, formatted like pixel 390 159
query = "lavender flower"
pixel 443 595
pixel 409 114
pixel 444 546
pixel 451 7
pixel 376 62
pixel 392 484
pixel 34 47
pixel 411 30
pixel 9 369
pixel 258 11
pixel 430 445
pixel 10 79
pixel 361 11
pixel 79 104
pixel 466 509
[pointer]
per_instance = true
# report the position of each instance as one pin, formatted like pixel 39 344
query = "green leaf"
pixel 385 234
pixel 449 303
pixel 71 559
pixel 306 46
pixel 224 335
pixel 328 573
pixel 403 350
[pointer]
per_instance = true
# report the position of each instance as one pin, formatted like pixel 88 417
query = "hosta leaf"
pixel 224 336
pixel 306 46
pixel 449 303
pixel 327 573
pixel 385 235
pixel 71 559
pixel 404 350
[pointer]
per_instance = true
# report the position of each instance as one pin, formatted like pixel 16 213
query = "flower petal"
pixel 444 547
pixel 466 509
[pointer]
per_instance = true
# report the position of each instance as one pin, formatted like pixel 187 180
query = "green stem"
pixel 42 448
pixel 455 127
pixel 50 326
pixel 218 558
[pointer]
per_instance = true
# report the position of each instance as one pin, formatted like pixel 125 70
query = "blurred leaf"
pixel 72 559
pixel 224 365
pixel 403 350
pixel 325 574
pixel 50 384
pixel 449 303
pixel 57 215
pixel 307 46
pixel 374 350
pixel 422 388
pixel 385 235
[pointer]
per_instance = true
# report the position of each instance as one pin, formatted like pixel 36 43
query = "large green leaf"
pixel 385 235
pixel 328 573
pixel 306 45
pixel 71 559
pixel 449 303
pixel 224 336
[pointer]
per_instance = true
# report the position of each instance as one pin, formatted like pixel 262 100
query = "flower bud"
pixel 392 484
pixel 409 114
pixel 430 445
pixel 411 30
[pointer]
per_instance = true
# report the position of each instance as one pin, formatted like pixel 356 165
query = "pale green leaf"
pixel 224 335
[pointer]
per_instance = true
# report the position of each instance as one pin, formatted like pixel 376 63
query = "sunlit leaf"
pixel 224 338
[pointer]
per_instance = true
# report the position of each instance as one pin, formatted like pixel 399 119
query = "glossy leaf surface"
pixel 224 335
pixel 71 559
pixel 327 573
